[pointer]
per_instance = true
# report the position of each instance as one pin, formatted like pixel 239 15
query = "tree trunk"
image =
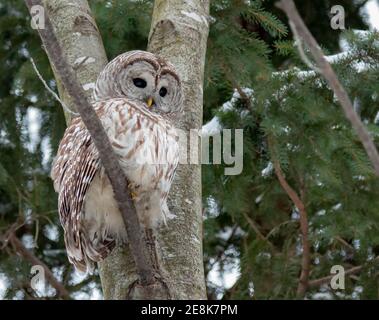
pixel 81 42
pixel 178 33
pixel 177 25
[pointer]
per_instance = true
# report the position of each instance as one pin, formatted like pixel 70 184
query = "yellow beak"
pixel 150 102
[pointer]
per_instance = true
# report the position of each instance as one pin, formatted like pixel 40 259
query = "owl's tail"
pixel 89 252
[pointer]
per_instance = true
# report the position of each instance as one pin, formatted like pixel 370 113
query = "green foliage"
pixel 269 22
pixel 132 33
pixel 295 120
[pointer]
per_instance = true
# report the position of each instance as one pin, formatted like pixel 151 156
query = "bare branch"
pixel 299 203
pixel 80 40
pixel 108 158
pixel 300 49
pixel 327 279
pixel 18 246
pixel 67 109
pixel 254 226
pixel 328 73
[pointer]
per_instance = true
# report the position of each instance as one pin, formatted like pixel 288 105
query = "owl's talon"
pixel 133 194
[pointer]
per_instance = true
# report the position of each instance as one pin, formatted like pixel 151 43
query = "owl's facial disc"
pixel 168 94
pixel 137 81
pixel 143 77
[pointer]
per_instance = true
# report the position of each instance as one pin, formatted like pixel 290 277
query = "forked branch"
pixel 299 203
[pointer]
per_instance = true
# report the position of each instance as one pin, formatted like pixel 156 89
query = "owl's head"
pixel 141 76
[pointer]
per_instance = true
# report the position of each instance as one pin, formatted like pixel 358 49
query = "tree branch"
pixel 80 39
pixel 18 246
pixel 108 158
pixel 321 281
pixel 351 271
pixel 255 228
pixel 299 203
pixel 328 73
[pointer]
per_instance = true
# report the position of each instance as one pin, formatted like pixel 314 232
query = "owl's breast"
pixel 147 146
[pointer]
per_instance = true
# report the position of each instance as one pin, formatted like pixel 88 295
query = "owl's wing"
pixel 74 169
pixel 168 158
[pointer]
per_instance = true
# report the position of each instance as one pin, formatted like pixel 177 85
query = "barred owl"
pixel 137 98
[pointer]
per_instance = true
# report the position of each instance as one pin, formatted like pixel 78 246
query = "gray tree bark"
pixel 80 39
pixel 176 27
pixel 179 33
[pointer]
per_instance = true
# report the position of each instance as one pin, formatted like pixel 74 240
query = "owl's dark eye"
pixel 140 83
pixel 163 92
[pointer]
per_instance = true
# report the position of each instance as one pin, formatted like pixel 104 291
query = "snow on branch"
pixel 214 126
pixel 328 73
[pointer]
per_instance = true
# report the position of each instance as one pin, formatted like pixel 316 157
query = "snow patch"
pixel 4 285
pixel 195 239
pixel 266 172
pixel 372 8
pixel 259 198
pixel 214 125
pixel 376 121
pixel 195 16
pixel 84 60
pixel 33 122
pixel 89 86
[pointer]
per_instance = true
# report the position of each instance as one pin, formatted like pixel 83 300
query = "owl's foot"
pixel 158 288
pixel 152 246
pixel 133 193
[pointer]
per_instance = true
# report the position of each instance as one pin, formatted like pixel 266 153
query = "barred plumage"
pixel 146 143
